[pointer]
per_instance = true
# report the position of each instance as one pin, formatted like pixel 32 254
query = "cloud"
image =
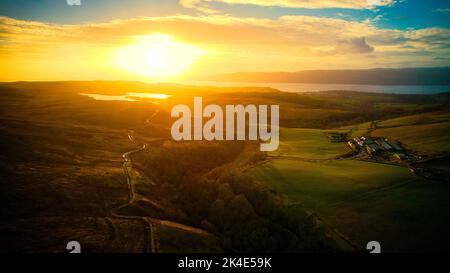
pixel 355 45
pixel 10 27
pixel 199 5
pixel 309 4
pixel 225 31
pixel 231 43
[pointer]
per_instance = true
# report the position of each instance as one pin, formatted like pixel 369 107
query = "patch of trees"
pixel 247 216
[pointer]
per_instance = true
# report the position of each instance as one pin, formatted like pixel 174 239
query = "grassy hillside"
pixel 426 133
pixel 62 172
pixel 357 130
pixel 366 200
pixel 62 155
pixel 410 217
pixel 307 143
pixel 62 175
pixel 418 119
pixel 427 139
pixel 318 185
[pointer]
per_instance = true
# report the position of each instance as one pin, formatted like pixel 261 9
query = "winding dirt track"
pixel 150 238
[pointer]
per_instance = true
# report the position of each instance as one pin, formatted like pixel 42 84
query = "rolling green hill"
pixel 367 200
pixel 62 163
pixel 307 143
pixel 424 133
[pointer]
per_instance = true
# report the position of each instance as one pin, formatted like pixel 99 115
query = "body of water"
pixel 128 96
pixel 313 87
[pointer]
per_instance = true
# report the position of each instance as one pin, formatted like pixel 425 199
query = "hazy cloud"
pixel 234 43
pixel 220 30
pixel 312 4
pixel 355 45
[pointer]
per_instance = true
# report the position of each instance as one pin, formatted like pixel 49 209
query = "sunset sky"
pixel 105 39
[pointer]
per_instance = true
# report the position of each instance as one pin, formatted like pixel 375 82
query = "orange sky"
pixel 33 50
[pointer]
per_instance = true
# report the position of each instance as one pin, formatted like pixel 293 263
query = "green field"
pixel 425 133
pixel 409 218
pixel 308 143
pixel 319 185
pixel 425 118
pixel 365 201
pixel 358 129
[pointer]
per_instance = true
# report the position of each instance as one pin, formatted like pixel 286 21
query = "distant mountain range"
pixel 379 76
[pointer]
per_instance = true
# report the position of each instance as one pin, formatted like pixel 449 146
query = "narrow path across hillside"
pixel 150 238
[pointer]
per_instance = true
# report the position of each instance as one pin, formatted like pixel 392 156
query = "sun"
pixel 158 56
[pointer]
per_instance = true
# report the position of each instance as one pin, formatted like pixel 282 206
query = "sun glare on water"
pixel 158 56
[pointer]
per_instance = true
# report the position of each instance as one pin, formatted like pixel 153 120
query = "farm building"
pixel 372 148
pixel 353 144
pixel 400 156
pixel 384 145
pixel 395 145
